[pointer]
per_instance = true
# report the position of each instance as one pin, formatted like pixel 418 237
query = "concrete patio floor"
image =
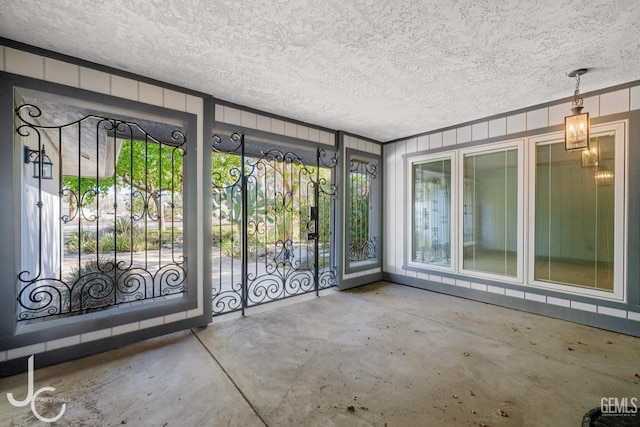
pixel 379 355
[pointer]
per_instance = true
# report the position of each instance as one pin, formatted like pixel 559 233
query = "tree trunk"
pixel 72 210
pixel 157 200
pixel 160 210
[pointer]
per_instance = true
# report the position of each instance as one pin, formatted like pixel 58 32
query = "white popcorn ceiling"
pixel 380 69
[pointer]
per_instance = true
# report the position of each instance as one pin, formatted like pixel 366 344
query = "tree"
pixel 78 190
pixel 227 191
pixel 225 169
pixel 153 171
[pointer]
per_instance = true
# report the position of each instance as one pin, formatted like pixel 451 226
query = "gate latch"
pixel 313 216
pixel 313 213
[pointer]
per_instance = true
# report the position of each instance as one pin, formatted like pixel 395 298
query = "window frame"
pixel 620 214
pixel 410 163
pixel 518 145
pixel 14 334
pixel 375 206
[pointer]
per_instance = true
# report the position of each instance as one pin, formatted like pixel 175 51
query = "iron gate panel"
pixel 287 206
pixel 226 194
pixel 362 245
pixel 98 254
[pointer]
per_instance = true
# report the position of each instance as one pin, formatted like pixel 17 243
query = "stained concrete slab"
pixel 378 355
pixel 398 356
pixel 165 381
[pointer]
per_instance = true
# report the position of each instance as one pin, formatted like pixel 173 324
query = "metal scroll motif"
pixel 82 250
pixel 436 218
pixel 362 246
pixel 226 197
pixel 362 250
pixel 287 206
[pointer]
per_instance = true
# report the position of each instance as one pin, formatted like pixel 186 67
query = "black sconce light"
pixel 42 164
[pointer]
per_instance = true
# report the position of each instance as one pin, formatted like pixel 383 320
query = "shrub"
pixel 93 285
pixel 123 236
pixel 123 226
pixel 90 245
pixel 73 243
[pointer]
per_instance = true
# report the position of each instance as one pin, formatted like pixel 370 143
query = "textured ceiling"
pixel 381 69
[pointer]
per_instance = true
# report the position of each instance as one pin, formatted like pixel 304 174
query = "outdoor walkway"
pixel 379 355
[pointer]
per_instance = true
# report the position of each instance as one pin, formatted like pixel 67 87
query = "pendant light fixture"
pixel 576 126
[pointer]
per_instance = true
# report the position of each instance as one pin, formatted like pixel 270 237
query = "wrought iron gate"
pixel 100 217
pixel 272 216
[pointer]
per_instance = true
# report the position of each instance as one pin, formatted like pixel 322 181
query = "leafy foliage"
pixel 278 198
pixel 123 236
pixel 76 241
pixel 149 166
pixel 80 185
pixel 359 188
pixel 155 170
pixel 225 169
pixel 86 189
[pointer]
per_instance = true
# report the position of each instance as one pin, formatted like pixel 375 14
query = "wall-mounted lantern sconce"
pixel 576 126
pixel 42 164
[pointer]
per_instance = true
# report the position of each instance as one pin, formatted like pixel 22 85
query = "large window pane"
pixel 431 238
pixel 362 209
pixel 490 212
pixel 105 226
pixel 574 214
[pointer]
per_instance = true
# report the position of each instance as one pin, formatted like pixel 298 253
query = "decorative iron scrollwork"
pixel 106 259
pixel 362 244
pixel 282 200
